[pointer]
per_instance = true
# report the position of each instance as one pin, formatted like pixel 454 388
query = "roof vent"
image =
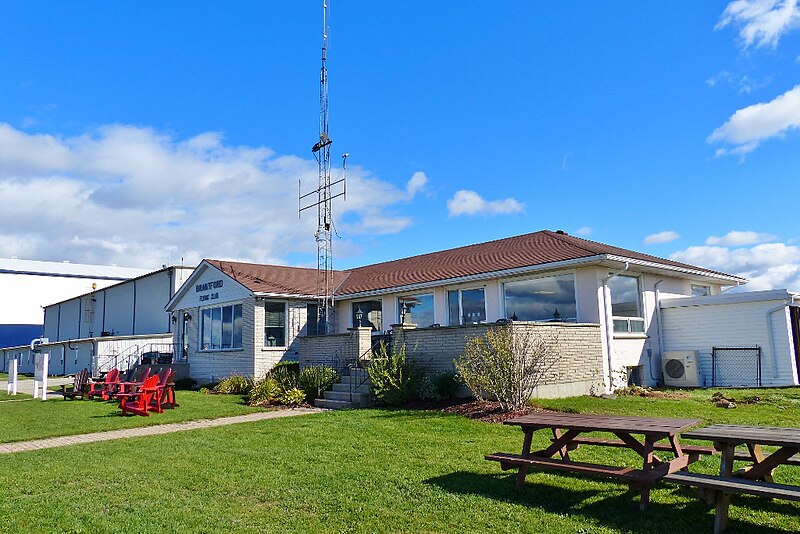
pixel 562 232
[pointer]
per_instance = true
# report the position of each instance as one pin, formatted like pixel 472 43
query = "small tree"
pixel 507 363
pixel 394 379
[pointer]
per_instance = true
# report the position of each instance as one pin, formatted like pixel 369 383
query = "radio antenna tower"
pixel 324 196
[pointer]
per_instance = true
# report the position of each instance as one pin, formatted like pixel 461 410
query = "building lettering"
pixel 207 285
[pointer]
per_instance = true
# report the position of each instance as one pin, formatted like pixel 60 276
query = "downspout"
pixel 771 335
pixel 610 323
pixel 133 325
pixel 660 329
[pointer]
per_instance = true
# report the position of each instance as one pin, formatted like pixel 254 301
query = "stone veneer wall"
pixel 578 372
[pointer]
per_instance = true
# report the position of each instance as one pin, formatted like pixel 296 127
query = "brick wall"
pixel 578 371
pixel 335 349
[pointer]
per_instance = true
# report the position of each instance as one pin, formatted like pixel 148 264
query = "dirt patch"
pixel 638 391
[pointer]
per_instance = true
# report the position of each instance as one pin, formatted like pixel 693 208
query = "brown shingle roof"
pixel 538 248
pixel 277 279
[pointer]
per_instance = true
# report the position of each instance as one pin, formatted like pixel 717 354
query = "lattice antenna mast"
pixel 324 197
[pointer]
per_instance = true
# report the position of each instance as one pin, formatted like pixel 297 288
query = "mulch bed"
pixel 485 411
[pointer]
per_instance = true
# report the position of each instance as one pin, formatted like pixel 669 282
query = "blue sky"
pixel 143 133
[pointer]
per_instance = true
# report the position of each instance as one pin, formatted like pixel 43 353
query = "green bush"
pixel 185 383
pixel 265 391
pixel 394 379
pixel 292 397
pixel 234 385
pixel 316 380
pixel 286 374
pixel 446 384
pixel 427 389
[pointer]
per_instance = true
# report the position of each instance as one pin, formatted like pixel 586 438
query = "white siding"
pixel 701 328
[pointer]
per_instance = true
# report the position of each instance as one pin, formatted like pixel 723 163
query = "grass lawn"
pixel 34 419
pixel 364 471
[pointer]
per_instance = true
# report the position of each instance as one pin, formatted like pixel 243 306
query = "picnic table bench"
pixel 567 428
pixel 755 479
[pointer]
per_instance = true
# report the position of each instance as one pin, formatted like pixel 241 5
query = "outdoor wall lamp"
pixel 359 315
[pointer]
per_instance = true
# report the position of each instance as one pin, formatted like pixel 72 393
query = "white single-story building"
pixel 240 317
pixel 28 285
pixel 737 339
pixel 108 327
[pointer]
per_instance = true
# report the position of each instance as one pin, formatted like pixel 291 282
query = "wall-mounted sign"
pixel 206 286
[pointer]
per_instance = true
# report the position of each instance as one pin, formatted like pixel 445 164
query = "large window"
pixel 466 306
pixel 221 328
pixel 551 298
pixel 312 319
pixel 275 324
pixel 370 313
pixel 626 307
pixel 416 309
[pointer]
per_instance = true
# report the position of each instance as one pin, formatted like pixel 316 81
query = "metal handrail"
pixel 385 339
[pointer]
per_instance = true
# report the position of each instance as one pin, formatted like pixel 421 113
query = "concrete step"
pixel 332 404
pixel 363 388
pixel 360 399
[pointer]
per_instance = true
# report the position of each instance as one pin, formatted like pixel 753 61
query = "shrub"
pixel 507 364
pixel 185 383
pixel 315 380
pixel 292 397
pixel 286 374
pixel 394 379
pixel 427 389
pixel 446 384
pixel 265 391
pixel 234 385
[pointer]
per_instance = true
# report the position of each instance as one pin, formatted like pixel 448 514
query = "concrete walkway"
pixel 26 386
pixel 49 443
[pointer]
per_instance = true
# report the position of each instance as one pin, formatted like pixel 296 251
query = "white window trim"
pixel 573 272
pixel 460 290
pixel 285 324
pixel 200 327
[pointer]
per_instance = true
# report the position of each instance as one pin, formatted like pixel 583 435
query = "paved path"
pixel 26 386
pixel 49 443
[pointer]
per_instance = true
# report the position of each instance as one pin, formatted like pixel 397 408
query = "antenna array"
pixel 324 197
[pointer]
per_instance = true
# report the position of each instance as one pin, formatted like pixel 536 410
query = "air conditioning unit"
pixel 680 368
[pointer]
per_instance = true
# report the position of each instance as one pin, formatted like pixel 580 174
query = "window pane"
pixel 544 299
pixel 371 314
pixel 216 327
pixel 454 310
pixel 419 309
pixel 700 291
pixel 473 306
pixel 205 326
pixel 275 324
pixel 227 327
pixel 624 296
pixel 237 326
pixel 312 313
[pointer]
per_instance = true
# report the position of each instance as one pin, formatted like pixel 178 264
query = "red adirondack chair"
pixel 139 377
pixel 104 388
pixel 137 402
pixel 164 391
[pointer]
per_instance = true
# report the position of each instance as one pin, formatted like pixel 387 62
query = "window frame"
pixel 707 287
pixel 285 324
pixel 413 295
pixel 201 331
pixel 629 320
pixel 543 276
pixel 354 304
pixel 460 292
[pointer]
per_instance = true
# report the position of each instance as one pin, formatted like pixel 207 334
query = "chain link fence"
pixel 736 367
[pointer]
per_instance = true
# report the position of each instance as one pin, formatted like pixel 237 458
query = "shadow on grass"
pixel 613 505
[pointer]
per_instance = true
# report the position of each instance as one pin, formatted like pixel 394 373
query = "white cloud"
pixel 137 197
pixel 466 202
pixel 767 265
pixel 750 126
pixel 761 22
pixel 584 230
pixel 666 236
pixel 737 238
pixel 416 184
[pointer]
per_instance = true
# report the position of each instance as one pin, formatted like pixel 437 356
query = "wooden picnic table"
pixel 755 479
pixel 567 429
